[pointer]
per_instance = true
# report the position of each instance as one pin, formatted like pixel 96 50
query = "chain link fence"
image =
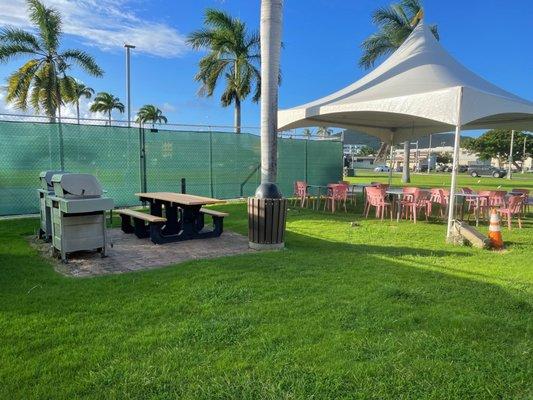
pixel 214 163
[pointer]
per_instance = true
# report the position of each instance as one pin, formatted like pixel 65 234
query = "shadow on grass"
pixel 322 319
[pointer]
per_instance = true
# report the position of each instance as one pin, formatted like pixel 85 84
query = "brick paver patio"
pixel 132 254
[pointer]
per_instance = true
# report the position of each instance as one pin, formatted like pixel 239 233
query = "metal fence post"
pixel 211 163
pixel 61 146
pixel 305 173
pixel 142 159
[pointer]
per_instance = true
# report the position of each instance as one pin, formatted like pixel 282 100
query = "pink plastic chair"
pixel 411 202
pixel 301 193
pixel 352 196
pixel 337 193
pixel 497 198
pixel 525 193
pixel 295 193
pixel 438 197
pixel 376 197
pixel 513 208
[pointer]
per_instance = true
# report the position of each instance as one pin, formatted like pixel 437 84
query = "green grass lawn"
pixel 371 310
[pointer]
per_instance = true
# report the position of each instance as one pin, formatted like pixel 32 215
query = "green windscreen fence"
pixel 216 164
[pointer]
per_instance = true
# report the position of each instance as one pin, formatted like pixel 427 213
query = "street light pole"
pixel 510 160
pixel 128 89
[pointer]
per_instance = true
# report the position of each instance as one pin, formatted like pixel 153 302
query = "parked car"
pixel 443 168
pixel 448 168
pixel 381 168
pixel 486 170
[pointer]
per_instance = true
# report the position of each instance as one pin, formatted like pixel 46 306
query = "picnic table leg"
pixel 172 226
pixel 189 221
pixel 155 208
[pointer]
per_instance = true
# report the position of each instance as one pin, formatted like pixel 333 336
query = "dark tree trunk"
pixel 237 116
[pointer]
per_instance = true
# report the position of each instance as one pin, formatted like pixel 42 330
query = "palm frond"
pixel 211 67
pixel 84 60
pixel 68 86
pixel 200 38
pixel 19 84
pixel 375 46
pixel 434 29
pixel 16 36
pixel 10 51
pixel 48 21
pixel 219 19
pixel 411 6
pixel 388 16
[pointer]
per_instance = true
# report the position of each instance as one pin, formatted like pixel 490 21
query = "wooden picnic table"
pixel 182 211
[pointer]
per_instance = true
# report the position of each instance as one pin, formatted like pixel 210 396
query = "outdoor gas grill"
pixel 78 214
pixel 47 189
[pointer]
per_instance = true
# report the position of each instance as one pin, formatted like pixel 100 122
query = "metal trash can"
pixel 266 223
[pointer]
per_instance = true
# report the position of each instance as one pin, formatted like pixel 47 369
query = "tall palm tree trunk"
pixel 109 114
pixel 271 14
pixel 237 115
pixel 406 175
pixel 78 110
pixel 60 129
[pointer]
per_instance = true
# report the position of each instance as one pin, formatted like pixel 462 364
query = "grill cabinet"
pixel 47 189
pixel 78 214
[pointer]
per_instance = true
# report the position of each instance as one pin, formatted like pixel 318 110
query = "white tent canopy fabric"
pixel 414 93
pixel 419 90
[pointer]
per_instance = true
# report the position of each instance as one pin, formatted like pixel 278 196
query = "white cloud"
pixel 106 24
pixel 168 107
pixel 68 113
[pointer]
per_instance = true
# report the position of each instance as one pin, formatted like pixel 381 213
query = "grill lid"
pixel 76 185
pixel 46 179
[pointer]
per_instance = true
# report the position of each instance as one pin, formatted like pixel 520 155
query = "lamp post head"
pixel 129 46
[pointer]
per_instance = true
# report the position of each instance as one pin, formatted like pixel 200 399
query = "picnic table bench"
pixel 139 227
pixel 184 217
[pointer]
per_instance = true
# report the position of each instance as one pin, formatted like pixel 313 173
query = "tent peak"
pixel 419 84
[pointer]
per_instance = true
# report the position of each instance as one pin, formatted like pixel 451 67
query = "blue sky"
pixel 322 37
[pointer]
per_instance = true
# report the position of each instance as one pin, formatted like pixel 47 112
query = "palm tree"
pixel 106 103
pixel 271 15
pixel 233 55
pixel 307 132
pixel 150 113
pixel 42 81
pixel 323 131
pixel 395 23
pixel 80 90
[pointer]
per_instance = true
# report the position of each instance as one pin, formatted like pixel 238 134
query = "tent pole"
pixel 455 167
pixel 390 156
pixel 510 160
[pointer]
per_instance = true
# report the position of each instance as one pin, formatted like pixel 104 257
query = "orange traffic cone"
pixel 495 234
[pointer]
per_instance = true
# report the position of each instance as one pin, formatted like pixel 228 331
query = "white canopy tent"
pixel 420 89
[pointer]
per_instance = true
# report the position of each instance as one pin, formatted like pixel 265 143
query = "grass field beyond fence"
pixel 352 309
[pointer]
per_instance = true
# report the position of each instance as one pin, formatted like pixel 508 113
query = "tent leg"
pixel 453 186
pixel 391 163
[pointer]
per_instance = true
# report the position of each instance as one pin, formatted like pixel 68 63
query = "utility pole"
pixel 510 160
pixel 128 89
